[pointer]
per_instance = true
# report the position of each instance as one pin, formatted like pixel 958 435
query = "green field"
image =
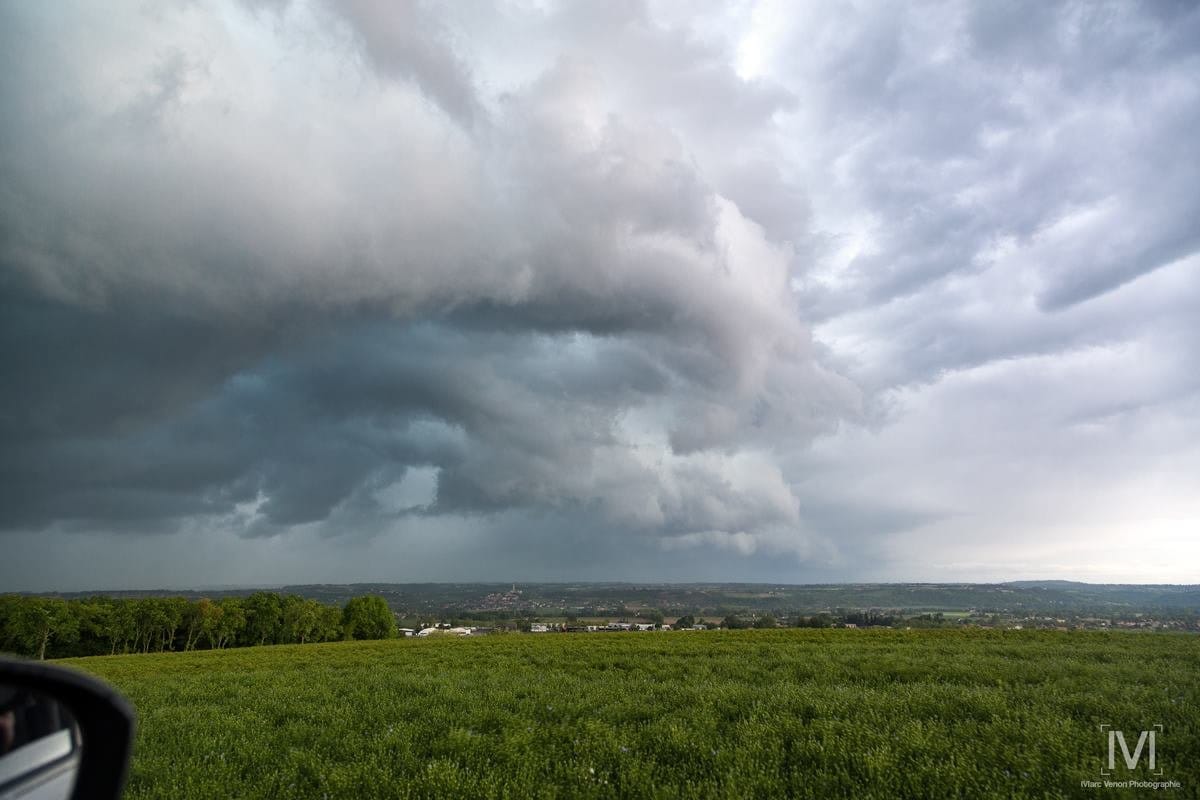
pixel 798 713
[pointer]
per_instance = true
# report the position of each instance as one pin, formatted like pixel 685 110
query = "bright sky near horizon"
pixel 320 291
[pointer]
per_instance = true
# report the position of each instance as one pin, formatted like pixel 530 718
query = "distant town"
pixel 483 609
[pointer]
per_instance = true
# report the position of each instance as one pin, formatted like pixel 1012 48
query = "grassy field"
pixel 797 713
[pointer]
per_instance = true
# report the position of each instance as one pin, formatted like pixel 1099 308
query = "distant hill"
pixel 722 598
pixel 1172 596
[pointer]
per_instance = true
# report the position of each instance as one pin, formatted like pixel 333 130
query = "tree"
pixel 264 618
pixel 232 622
pixel 193 625
pixel 34 622
pixel 89 617
pixel 173 610
pixel 9 603
pixel 368 617
pixel 121 627
pixel 686 621
pixel 652 615
pixel 150 617
pixel 766 621
pixel 301 618
pixel 329 626
pixel 210 615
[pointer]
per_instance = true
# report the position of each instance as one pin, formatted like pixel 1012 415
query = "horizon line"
pixel 280 586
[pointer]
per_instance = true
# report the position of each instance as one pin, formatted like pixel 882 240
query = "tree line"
pixel 50 627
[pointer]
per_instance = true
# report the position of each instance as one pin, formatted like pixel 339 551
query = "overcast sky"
pixel 798 292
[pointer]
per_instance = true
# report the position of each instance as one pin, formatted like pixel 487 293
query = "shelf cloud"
pixel 779 292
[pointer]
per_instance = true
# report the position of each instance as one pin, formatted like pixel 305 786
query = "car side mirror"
pixel 63 734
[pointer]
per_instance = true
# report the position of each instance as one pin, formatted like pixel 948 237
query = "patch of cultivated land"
pixel 797 713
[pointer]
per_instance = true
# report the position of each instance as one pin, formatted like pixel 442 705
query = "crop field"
pixel 783 713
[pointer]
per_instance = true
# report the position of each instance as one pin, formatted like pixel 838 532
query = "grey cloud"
pixel 406 39
pixel 310 431
pixel 165 89
pixel 1054 139
pixel 558 263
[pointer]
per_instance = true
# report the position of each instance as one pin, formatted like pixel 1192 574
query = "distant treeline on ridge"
pixel 49 627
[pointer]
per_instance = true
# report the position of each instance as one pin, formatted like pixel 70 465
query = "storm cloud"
pixel 779 292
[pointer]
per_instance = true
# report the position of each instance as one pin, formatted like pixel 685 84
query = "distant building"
pixel 446 631
pixel 505 600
